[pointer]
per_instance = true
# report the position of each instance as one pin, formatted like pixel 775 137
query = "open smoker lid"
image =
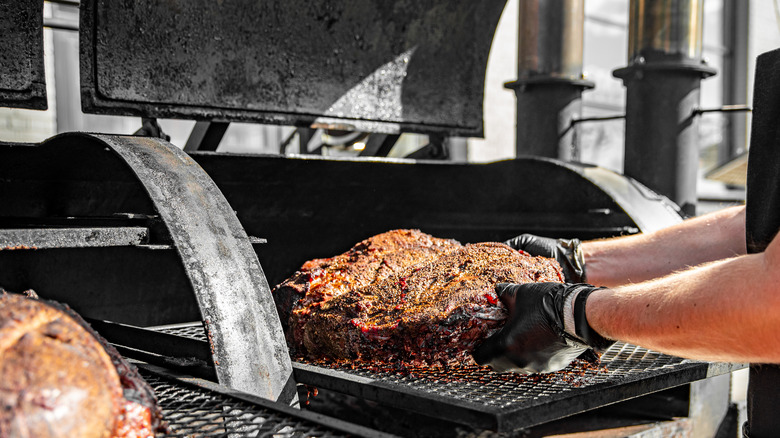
pixel 369 65
pixel 22 79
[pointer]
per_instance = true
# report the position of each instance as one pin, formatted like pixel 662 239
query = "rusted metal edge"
pixel 45 238
pixel 246 339
pixel 92 102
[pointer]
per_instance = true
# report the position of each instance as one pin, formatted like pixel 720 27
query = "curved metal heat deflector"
pixel 246 337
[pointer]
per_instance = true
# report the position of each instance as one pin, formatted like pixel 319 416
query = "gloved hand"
pixel 546 329
pixel 568 253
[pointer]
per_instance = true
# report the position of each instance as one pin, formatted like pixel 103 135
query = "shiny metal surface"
pixel 661 29
pixel 662 82
pixel 245 336
pixel 550 38
pixel 550 80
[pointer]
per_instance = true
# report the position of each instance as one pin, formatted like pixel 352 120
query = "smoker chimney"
pixel 662 90
pixel 550 83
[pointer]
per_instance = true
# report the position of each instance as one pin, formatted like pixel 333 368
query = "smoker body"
pixel 145 240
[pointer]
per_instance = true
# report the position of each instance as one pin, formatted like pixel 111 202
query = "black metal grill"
pixel 193 331
pixel 480 398
pixel 194 411
pixel 504 402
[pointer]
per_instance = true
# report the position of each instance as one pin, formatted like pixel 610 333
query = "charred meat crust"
pixel 432 310
pixel 370 260
pixel 60 378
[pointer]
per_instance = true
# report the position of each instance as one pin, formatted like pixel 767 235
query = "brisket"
pixel 433 310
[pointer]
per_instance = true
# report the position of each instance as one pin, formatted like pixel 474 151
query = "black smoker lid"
pixel 369 65
pixel 22 79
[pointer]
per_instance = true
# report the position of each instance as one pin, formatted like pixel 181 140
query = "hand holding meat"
pixel 567 252
pixel 546 330
pixel 404 297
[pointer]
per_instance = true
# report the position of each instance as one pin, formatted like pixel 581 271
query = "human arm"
pixel 727 310
pixel 640 257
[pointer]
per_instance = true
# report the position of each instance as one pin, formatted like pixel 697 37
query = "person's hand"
pixel 546 329
pixel 567 252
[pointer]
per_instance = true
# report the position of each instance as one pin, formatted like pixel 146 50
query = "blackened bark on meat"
pixel 51 365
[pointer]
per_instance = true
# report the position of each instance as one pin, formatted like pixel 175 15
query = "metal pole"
pixel 550 82
pixel 735 76
pixel 662 90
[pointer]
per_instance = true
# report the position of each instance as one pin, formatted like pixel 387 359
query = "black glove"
pixel 535 338
pixel 567 252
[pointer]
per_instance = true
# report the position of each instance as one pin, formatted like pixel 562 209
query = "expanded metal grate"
pixel 480 384
pixel 189 330
pixel 481 398
pixel 195 412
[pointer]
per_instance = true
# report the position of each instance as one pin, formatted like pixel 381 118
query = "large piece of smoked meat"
pixel 434 301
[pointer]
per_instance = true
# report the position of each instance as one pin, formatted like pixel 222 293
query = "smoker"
pixel 171 255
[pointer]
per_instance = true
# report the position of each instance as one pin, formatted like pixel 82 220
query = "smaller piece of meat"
pixel 140 415
pixel 369 261
pixel 59 378
pixel 55 379
pixel 436 311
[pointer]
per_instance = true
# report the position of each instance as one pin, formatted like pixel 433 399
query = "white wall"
pixel 499 103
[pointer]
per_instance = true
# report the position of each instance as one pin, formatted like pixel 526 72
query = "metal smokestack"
pixel 662 90
pixel 550 83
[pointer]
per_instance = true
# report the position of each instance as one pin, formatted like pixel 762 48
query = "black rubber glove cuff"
pixel 582 329
pixel 567 252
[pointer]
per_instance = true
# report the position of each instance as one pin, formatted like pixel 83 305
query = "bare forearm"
pixel 727 311
pixel 641 257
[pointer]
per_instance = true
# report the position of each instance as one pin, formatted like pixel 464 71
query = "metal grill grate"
pixel 196 412
pixel 191 330
pixel 480 384
pixel 481 398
